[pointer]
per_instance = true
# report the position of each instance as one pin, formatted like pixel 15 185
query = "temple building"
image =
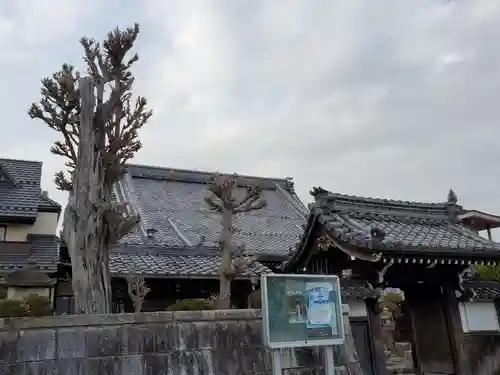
pixel 175 244
pixel 426 250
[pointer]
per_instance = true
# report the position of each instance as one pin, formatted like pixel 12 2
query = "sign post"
pixel 301 311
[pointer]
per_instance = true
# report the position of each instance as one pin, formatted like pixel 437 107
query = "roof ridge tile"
pixel 202 177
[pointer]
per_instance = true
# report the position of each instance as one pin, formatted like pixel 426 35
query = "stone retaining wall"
pixel 174 343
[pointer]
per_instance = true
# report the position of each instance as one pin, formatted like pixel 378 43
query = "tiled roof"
pixel 484 290
pixel 174 265
pixel 20 194
pixel 44 251
pixel 172 202
pixel 397 226
pixel 157 261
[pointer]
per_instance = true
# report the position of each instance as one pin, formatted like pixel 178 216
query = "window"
pixel 479 316
pixel 3 233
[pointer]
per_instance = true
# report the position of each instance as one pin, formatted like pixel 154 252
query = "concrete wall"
pixel 46 223
pixel 174 343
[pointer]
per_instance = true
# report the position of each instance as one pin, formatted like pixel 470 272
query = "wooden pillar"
pixel 488 230
pixel 460 357
pixel 375 325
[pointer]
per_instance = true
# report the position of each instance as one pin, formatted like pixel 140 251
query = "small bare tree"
pixel 223 199
pixel 99 131
pixel 137 290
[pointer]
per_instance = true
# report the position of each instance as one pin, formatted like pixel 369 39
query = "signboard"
pixel 301 310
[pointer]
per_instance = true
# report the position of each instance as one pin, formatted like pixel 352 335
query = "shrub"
pixel 12 308
pixel 392 301
pixel 3 292
pixel 195 304
pixel 488 272
pixel 37 305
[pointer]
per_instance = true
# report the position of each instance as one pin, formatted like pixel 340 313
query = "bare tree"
pixel 99 124
pixel 137 290
pixel 223 199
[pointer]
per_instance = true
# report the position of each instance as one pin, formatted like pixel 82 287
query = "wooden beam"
pixel 460 357
pixel 488 230
pixel 375 325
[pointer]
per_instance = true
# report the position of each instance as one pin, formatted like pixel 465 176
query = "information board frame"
pixel 340 337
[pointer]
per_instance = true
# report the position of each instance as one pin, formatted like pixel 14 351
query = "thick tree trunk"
pixel 225 272
pixel 85 228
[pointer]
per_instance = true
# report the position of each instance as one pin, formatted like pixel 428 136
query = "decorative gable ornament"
pixel 452 197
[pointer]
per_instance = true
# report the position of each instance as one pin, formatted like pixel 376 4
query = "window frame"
pixel 473 319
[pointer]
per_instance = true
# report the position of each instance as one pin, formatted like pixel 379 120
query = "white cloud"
pixel 27 26
pixel 390 98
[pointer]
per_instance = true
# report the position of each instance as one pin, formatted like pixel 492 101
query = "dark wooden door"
pixel 431 336
pixel 361 338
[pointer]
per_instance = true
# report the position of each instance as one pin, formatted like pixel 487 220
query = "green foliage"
pixel 195 304
pixel 392 301
pixel 3 292
pixel 37 305
pixel 12 308
pixel 488 272
pixel 32 305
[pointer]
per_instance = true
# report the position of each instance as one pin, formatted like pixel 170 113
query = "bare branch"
pixel 223 198
pixel 254 203
pixel 240 264
pixel 253 194
pixel 118 122
pixel 119 220
pixel 213 204
pixel 58 108
pixel 62 182
pixel 99 134
pixel 137 290
pixel 223 187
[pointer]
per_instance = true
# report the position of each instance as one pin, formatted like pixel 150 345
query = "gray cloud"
pixel 388 98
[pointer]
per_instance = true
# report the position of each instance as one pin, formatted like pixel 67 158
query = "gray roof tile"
pixel 172 202
pixel 44 252
pixel 22 197
pixel 484 290
pixel 407 226
pixel 173 265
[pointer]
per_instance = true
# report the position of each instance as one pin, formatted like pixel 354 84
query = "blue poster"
pixel 321 307
pixel 301 310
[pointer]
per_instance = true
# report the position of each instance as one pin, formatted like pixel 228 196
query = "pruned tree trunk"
pixel 98 138
pixel 85 230
pixel 225 271
pixel 137 290
pixel 224 201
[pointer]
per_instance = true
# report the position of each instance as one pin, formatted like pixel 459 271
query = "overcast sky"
pixel 395 99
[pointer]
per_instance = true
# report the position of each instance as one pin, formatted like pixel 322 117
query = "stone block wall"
pixel 174 343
